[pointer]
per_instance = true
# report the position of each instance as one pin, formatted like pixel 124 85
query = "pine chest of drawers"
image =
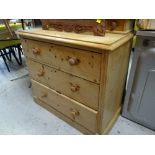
pixel 78 77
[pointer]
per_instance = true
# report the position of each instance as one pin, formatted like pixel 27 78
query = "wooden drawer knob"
pixel 44 94
pixel 74 114
pixel 36 51
pixel 74 88
pixel 73 61
pixel 41 73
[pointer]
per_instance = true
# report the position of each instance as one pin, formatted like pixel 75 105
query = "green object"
pixel 134 41
pixel 5 44
pixel 134 38
pixel 13 26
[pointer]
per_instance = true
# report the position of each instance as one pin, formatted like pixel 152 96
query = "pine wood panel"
pixel 70 108
pixel 117 65
pixel 87 65
pixel 75 25
pixel 65 118
pixel 76 88
pixel 108 39
pixel 120 24
pixel 108 42
pixel 98 104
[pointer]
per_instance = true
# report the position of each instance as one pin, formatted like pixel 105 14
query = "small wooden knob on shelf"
pixel 114 24
pixel 41 73
pixel 73 61
pixel 74 114
pixel 36 51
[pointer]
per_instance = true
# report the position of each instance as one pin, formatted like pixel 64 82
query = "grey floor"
pixel 19 114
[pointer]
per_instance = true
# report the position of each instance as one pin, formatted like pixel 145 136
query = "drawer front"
pixel 83 91
pixel 78 62
pixel 70 108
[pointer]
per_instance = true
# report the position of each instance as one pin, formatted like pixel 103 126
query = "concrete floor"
pixel 19 114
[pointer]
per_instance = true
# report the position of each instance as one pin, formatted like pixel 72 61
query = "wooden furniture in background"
pixel 97 27
pixel 89 26
pixel 78 77
pixel 146 24
pixel 120 25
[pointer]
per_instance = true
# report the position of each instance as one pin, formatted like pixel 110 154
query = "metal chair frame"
pixel 7 52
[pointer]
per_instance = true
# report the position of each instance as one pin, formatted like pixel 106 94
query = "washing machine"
pixel 139 103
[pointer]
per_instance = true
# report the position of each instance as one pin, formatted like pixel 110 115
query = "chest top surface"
pixel 109 42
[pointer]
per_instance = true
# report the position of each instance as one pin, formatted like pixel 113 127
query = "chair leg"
pixel 30 85
pixel 14 54
pixel 20 47
pixel 8 55
pixel 4 59
pixel 19 54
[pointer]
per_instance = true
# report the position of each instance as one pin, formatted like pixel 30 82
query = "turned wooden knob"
pixel 73 61
pixel 36 51
pixel 41 73
pixel 113 25
pixel 44 94
pixel 74 88
pixel 74 114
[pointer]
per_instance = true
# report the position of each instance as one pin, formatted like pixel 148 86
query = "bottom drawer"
pixel 70 108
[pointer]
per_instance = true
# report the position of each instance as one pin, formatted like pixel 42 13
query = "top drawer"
pixel 82 63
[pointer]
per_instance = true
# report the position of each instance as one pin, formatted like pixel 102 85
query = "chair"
pixel 10 45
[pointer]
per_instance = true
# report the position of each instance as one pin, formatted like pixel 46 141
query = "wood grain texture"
pixel 89 94
pixel 119 24
pixel 111 122
pixel 76 25
pixel 63 117
pixel 72 109
pixel 78 40
pixel 103 76
pixel 76 88
pixel 87 67
pixel 115 79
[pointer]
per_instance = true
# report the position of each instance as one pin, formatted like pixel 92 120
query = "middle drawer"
pixel 74 87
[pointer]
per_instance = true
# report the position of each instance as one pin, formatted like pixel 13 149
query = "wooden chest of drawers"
pixel 78 77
